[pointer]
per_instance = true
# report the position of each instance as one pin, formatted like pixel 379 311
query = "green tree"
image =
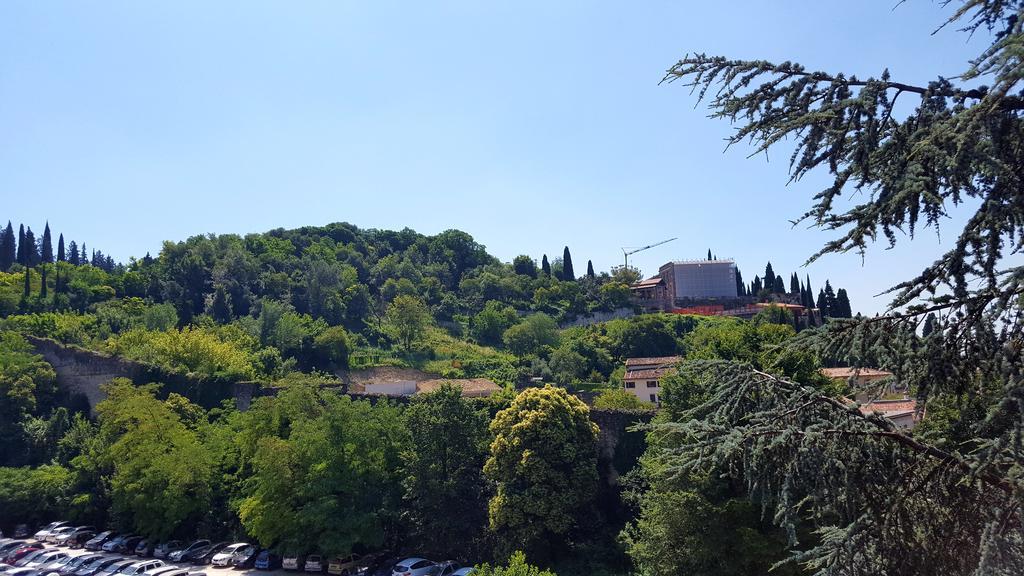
pixel 220 307
pixel 61 255
pixel 524 266
pixel 955 142
pixel 8 248
pixel 325 478
pixel 567 272
pixel 407 319
pixel 843 309
pixel 544 266
pixel 490 324
pixel 590 269
pixel 162 472
pixel 543 463
pixel 444 490
pixel 333 347
pixel 532 334
pixel 517 566
pixel 46 246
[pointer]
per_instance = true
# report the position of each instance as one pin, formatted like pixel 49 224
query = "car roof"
pixel 411 560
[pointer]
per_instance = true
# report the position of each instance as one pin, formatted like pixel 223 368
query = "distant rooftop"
pixel 847 372
pixel 705 261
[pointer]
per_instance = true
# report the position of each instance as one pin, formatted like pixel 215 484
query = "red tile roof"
pixel 655 361
pixel 649 283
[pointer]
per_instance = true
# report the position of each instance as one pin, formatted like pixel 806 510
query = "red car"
pixel 20 552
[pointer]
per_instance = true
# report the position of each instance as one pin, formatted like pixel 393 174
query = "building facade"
pixel 643 376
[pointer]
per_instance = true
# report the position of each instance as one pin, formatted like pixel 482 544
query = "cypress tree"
pixel 22 257
pixel 42 288
pixel 83 254
pixel 567 272
pixel 843 308
pixel 794 284
pixel 779 286
pixel 544 266
pixel 810 293
pixel 73 254
pixel 220 309
pixel 823 304
pixel 8 251
pixel 46 256
pixel 28 283
pixel 61 256
pixel 769 276
pixel 740 287
pixel 929 325
pixel 709 254
pixel 590 269
pixel 755 286
pixel 31 248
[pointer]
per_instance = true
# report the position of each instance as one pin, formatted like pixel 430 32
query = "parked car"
pixel 293 562
pixel 204 554
pixel 223 557
pixel 127 546
pixel 267 560
pixel 115 567
pixel 97 541
pixel 414 567
pixel 31 555
pixel 446 568
pixel 56 533
pixel 20 552
pixel 20 531
pixel 55 566
pixel 351 564
pixel 314 563
pixel 10 546
pixel 67 537
pixel 23 572
pixel 78 539
pixel 144 548
pixel 94 568
pixel 45 530
pixel 45 558
pixel 467 571
pixel 168 571
pixel 77 562
pixel 245 557
pixel 176 555
pixel 137 568
pixel 164 549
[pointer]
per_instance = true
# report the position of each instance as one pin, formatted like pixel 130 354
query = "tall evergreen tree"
pixel 545 268
pixel 567 271
pixel 823 304
pixel 810 293
pixel 929 325
pixel 73 254
pixel 741 288
pixel 46 246
pixel 22 257
pixel 42 284
pixel 83 254
pixel 769 276
pixel 779 286
pixel 794 284
pixel 31 247
pixel 755 286
pixel 709 254
pixel 27 289
pixel 843 308
pixel 61 256
pixel 590 269
pixel 8 249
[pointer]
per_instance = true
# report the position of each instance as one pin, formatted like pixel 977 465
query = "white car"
pixel 58 533
pixel 44 559
pixel 45 530
pixel 223 558
pixel 140 567
pixel 414 567
pixel 314 563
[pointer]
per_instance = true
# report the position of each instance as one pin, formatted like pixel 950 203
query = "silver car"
pixel 414 567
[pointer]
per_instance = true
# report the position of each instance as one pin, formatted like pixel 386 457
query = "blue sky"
pixel 529 125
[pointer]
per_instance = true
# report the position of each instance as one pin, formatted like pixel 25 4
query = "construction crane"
pixel 627 251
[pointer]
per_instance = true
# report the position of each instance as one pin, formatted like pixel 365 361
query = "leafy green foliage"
pixel 407 319
pixel 445 496
pixel 532 334
pixel 517 566
pixel 543 464
pixel 619 399
pixel 194 350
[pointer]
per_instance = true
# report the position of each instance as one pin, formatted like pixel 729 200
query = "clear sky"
pixel 530 125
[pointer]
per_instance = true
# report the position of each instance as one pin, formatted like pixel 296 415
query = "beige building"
pixel 862 380
pixel 642 377
pixel 902 413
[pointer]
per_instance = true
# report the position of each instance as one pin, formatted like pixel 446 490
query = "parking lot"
pixel 207 569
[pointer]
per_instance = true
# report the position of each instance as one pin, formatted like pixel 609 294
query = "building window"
pixel 654 397
pixel 630 384
pixel 652 383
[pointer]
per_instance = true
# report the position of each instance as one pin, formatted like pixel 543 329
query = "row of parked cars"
pixel 35 559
